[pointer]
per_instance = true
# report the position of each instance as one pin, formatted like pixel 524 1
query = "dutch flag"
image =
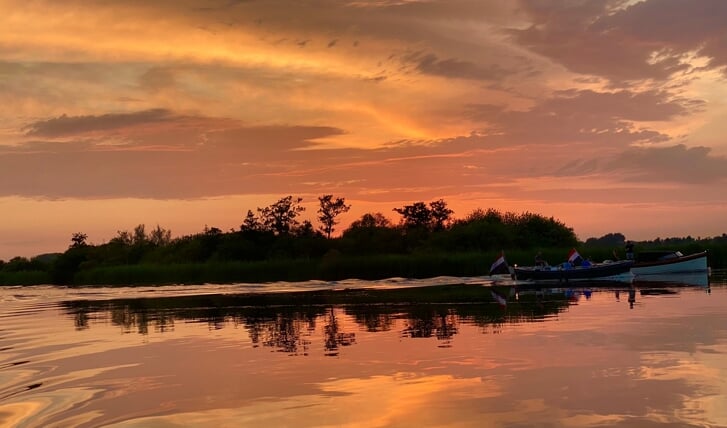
pixel 500 265
pixel 574 257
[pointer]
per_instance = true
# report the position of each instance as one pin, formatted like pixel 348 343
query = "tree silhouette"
pixel 160 236
pixel 251 222
pixel 440 214
pixel 330 209
pixel 139 235
pixel 416 215
pixel 371 220
pixel 280 217
pixel 78 239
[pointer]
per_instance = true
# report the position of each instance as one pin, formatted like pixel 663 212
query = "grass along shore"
pixel 329 268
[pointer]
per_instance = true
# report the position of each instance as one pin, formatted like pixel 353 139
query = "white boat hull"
pixel 686 264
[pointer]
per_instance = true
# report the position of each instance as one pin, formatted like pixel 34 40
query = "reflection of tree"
pixel 80 319
pixel 216 318
pixel 284 334
pixel 289 332
pixel 440 322
pixel 446 328
pixel 289 327
pixel 378 320
pixel 128 318
pixel 164 322
pixel 285 329
pixel 333 337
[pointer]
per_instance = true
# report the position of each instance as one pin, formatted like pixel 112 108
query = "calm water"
pixel 193 356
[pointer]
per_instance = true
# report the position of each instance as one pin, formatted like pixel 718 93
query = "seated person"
pixel 539 260
pixel 629 250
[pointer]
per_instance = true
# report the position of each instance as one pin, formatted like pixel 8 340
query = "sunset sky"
pixel 610 116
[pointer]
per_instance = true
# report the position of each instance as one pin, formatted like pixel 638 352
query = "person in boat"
pixel 629 250
pixel 586 262
pixel 539 260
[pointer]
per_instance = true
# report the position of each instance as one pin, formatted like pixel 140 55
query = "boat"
pixel 577 269
pixel 668 262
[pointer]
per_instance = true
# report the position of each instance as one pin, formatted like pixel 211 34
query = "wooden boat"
pixel 618 271
pixel 668 262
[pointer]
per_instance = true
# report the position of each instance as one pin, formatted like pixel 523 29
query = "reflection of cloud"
pixel 377 401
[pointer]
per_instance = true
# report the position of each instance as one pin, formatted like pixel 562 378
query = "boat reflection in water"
pixel 699 279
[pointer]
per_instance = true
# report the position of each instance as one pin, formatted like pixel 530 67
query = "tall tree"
pixel 441 215
pixel 280 217
pixel 122 237
pixel 329 210
pixel 371 220
pixel 416 215
pixel 160 236
pixel 251 222
pixel 140 234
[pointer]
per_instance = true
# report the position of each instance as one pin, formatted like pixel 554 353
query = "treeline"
pixel 273 244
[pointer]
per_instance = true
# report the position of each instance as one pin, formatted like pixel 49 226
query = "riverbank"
pixel 332 267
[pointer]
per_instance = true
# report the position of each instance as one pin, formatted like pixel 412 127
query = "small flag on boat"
pixel 574 257
pixel 500 265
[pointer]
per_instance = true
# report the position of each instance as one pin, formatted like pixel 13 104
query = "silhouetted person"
pixel 539 260
pixel 629 250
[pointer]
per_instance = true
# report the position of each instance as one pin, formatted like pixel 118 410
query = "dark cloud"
pixel 73 125
pixel 677 26
pixel 674 164
pixel 282 159
pixel 586 116
pixel 454 68
pixel 647 40
pixel 670 164
pixel 158 78
pixel 680 24
pixel 626 105
pixel 185 157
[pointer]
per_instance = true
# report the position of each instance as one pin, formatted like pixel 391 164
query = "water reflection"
pixel 699 279
pixel 582 356
pixel 288 328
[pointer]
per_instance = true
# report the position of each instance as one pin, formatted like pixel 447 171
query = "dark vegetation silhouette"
pixel 272 243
